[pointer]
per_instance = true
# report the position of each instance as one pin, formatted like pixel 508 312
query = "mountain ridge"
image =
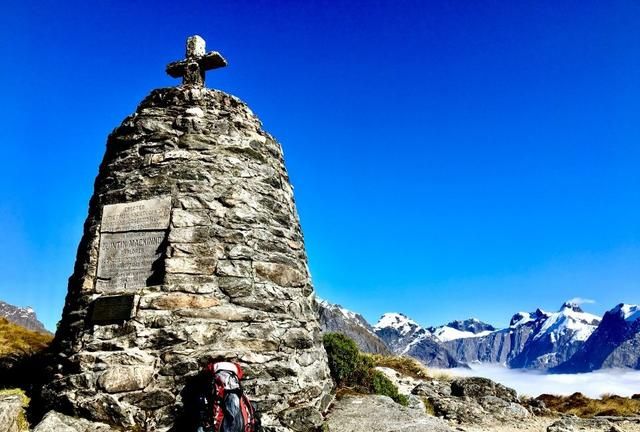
pixel 540 340
pixel 22 316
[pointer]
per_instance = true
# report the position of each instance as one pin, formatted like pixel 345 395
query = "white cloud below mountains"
pixel 622 382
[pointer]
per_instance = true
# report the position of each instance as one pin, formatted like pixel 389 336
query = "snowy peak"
pixel 614 343
pixel 472 325
pixel 570 324
pixel 461 329
pixel 406 337
pixel 523 318
pixel 398 322
pixel 446 333
pixel 345 313
pixel 628 312
pixel 25 317
pixel 571 306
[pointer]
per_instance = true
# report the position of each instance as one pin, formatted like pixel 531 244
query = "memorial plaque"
pixel 106 310
pixel 126 259
pixel 131 236
pixel 144 215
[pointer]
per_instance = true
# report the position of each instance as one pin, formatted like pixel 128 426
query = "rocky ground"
pixel 464 404
pixel 435 405
pixel 554 424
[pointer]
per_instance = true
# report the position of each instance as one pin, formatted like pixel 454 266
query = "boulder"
pixel 380 414
pixel 476 388
pixel 433 388
pixel 574 424
pixel 471 401
pixel 55 422
pixel 12 412
pixel 560 426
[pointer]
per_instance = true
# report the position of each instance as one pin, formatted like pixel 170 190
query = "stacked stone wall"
pixel 230 279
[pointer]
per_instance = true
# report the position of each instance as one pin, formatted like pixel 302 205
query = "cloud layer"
pixel 622 382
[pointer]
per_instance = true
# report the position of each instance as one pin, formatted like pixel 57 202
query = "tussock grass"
pixel 582 406
pixel 15 339
pixel 408 366
pixel 428 407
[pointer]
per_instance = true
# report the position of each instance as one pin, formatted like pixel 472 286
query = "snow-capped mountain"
pixel 615 343
pixel 406 337
pixel 498 346
pixel 25 317
pixel 557 336
pixel 335 318
pixel 568 341
pixel 398 331
pixel 533 340
pixel 458 329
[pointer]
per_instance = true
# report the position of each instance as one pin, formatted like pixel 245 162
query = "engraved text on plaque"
pixel 131 237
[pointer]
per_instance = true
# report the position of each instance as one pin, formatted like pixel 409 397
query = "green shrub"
pixel 344 358
pixel 350 368
pixel 382 385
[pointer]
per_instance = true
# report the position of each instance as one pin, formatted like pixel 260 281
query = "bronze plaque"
pixel 131 242
pixel 110 310
pixel 152 214
pixel 125 261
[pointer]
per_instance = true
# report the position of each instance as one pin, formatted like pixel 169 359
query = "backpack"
pixel 224 406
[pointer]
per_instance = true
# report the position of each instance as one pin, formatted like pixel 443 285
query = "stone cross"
pixel 196 63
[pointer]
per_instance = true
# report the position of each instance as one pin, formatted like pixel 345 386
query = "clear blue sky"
pixel 450 158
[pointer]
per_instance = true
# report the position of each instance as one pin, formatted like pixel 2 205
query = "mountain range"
pixel 569 340
pixel 25 317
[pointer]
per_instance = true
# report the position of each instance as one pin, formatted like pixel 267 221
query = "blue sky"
pixel 450 158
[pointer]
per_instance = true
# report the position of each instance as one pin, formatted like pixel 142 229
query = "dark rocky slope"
pixel 335 318
pixel 614 344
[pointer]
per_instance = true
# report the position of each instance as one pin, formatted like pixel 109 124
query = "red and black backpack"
pixel 225 406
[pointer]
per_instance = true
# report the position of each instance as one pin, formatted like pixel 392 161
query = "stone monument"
pixel 192 250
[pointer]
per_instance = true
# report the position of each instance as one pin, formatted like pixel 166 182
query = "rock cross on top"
pixel 198 61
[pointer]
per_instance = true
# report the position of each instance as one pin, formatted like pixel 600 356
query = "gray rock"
pixel 476 387
pixel 381 414
pixel 573 424
pixel 458 410
pixel 120 379
pixel 432 389
pixel 56 422
pixel 472 400
pixel 560 426
pixel 12 413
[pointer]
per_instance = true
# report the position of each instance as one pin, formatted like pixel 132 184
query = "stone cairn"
pixel 192 251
